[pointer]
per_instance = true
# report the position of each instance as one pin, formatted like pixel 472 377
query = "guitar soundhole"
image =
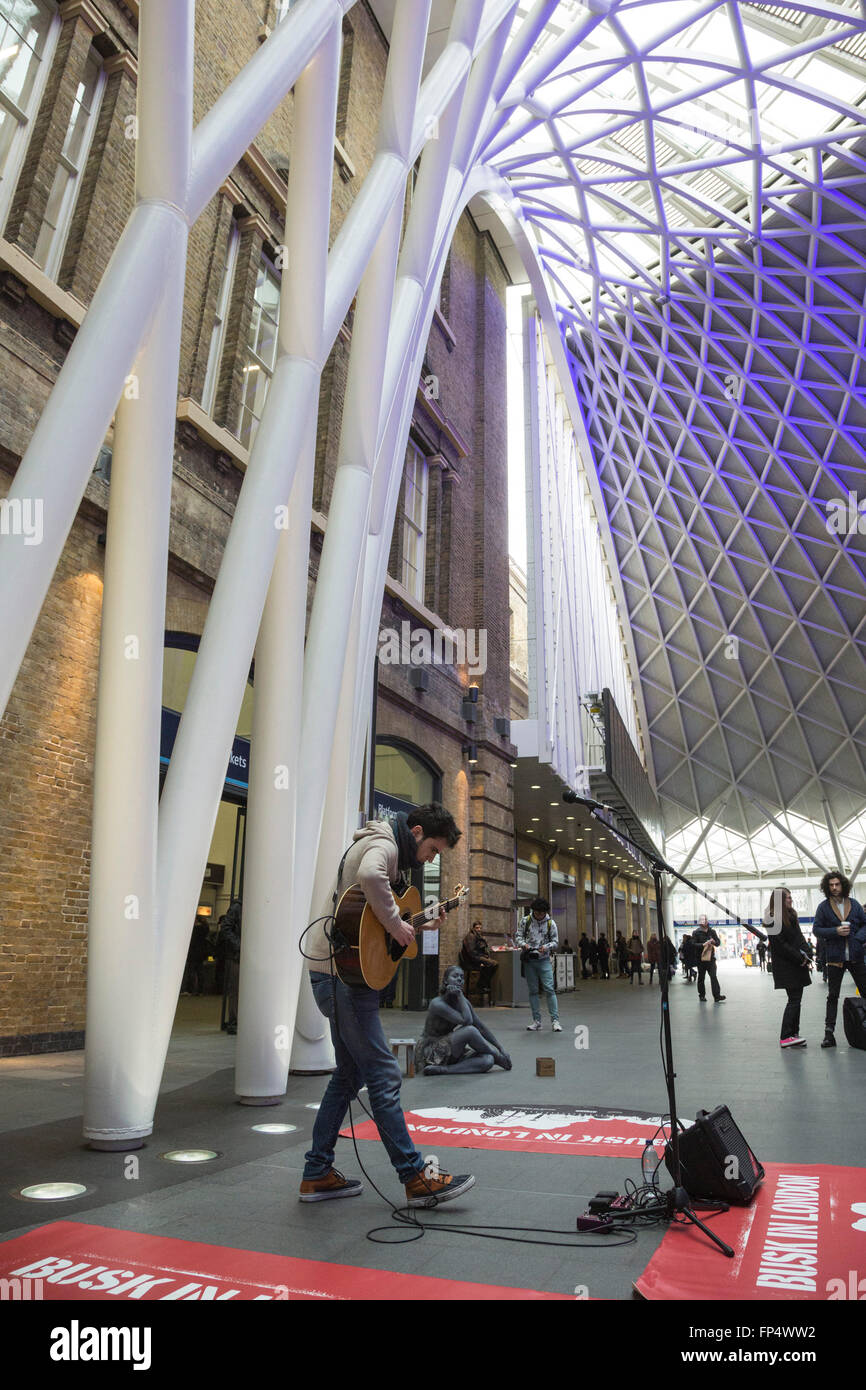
pixel 395 950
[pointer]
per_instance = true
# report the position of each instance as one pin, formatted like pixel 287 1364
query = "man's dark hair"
pixel 436 823
pixel 834 873
pixel 541 905
pixel 477 922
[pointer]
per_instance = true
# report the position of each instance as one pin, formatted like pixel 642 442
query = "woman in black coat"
pixel 791 962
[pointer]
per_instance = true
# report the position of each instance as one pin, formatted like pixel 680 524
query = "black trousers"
pixel 791 1016
pixel 705 968
pixel 834 981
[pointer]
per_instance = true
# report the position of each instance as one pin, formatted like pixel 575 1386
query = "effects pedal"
pixel 594 1223
pixel 621 1205
pixel 602 1202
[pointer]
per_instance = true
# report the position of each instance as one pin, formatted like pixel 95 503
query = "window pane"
pixel 414 521
pixel 262 344
pixel 24 25
pixel 24 28
pixel 64 189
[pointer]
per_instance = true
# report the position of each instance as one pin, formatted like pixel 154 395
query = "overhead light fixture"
pixel 471 751
pixel 536 787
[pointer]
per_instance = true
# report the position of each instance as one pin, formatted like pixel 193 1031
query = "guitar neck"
pixel 421 918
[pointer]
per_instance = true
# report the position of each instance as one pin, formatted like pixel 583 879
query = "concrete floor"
pixel 799 1106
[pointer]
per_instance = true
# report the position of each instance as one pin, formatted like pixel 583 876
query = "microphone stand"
pixel 678 1199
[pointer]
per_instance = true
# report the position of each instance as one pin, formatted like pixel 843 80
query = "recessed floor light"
pixel 190 1155
pixel 52 1191
pixel 275 1129
pixel 312 1105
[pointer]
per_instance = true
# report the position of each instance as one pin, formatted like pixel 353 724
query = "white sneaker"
pixel 557 1026
pixel 533 1027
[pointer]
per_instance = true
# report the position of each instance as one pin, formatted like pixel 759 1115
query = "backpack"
pixel 854 1022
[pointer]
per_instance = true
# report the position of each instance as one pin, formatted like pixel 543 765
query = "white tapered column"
pixel 343 736
pixel 312 1045
pixel 194 782
pixel 74 421
pixel 121 956
pixel 347 517
pixel 270 965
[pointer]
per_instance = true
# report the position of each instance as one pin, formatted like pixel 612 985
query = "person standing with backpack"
pixel 537 937
pixel 840 926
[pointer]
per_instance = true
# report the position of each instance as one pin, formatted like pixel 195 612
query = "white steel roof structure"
pixel 707 269
pixel 693 176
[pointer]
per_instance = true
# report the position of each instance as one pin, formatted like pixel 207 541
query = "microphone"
pixel 572 798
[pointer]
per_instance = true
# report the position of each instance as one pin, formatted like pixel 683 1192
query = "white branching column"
pixel 268 943
pixel 122 936
pixel 339 568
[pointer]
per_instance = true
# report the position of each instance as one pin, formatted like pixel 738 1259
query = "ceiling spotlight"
pixel 471 751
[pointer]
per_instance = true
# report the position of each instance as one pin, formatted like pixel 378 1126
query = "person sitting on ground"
pixel 454 1039
pixel 475 955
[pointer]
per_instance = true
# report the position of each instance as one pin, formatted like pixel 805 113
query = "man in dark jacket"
pixel 583 947
pixel 476 955
pixel 840 926
pixel 687 956
pixel 702 937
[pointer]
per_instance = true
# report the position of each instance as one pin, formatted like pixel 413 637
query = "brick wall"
pixel 47 733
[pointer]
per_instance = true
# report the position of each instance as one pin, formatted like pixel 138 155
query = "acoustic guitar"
pixel 364 952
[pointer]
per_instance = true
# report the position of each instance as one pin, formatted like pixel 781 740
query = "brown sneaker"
pixel 429 1192
pixel 333 1184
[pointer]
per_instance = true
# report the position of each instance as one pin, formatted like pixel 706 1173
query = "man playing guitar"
pixel 380 860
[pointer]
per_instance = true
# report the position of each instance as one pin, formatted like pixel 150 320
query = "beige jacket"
pixel 371 863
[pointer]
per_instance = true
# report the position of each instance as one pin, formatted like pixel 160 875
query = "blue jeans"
pixel 363 1059
pixel 541 972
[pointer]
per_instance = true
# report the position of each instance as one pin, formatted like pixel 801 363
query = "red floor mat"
pixel 71 1260
pixel 802 1237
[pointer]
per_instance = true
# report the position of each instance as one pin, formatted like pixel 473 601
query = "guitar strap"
pixel 339 877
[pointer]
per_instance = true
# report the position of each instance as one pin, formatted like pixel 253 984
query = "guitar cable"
pixel 406 1217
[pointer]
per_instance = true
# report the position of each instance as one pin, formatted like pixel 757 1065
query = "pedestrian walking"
pixel 790 962
pixel 705 943
pixel 653 955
